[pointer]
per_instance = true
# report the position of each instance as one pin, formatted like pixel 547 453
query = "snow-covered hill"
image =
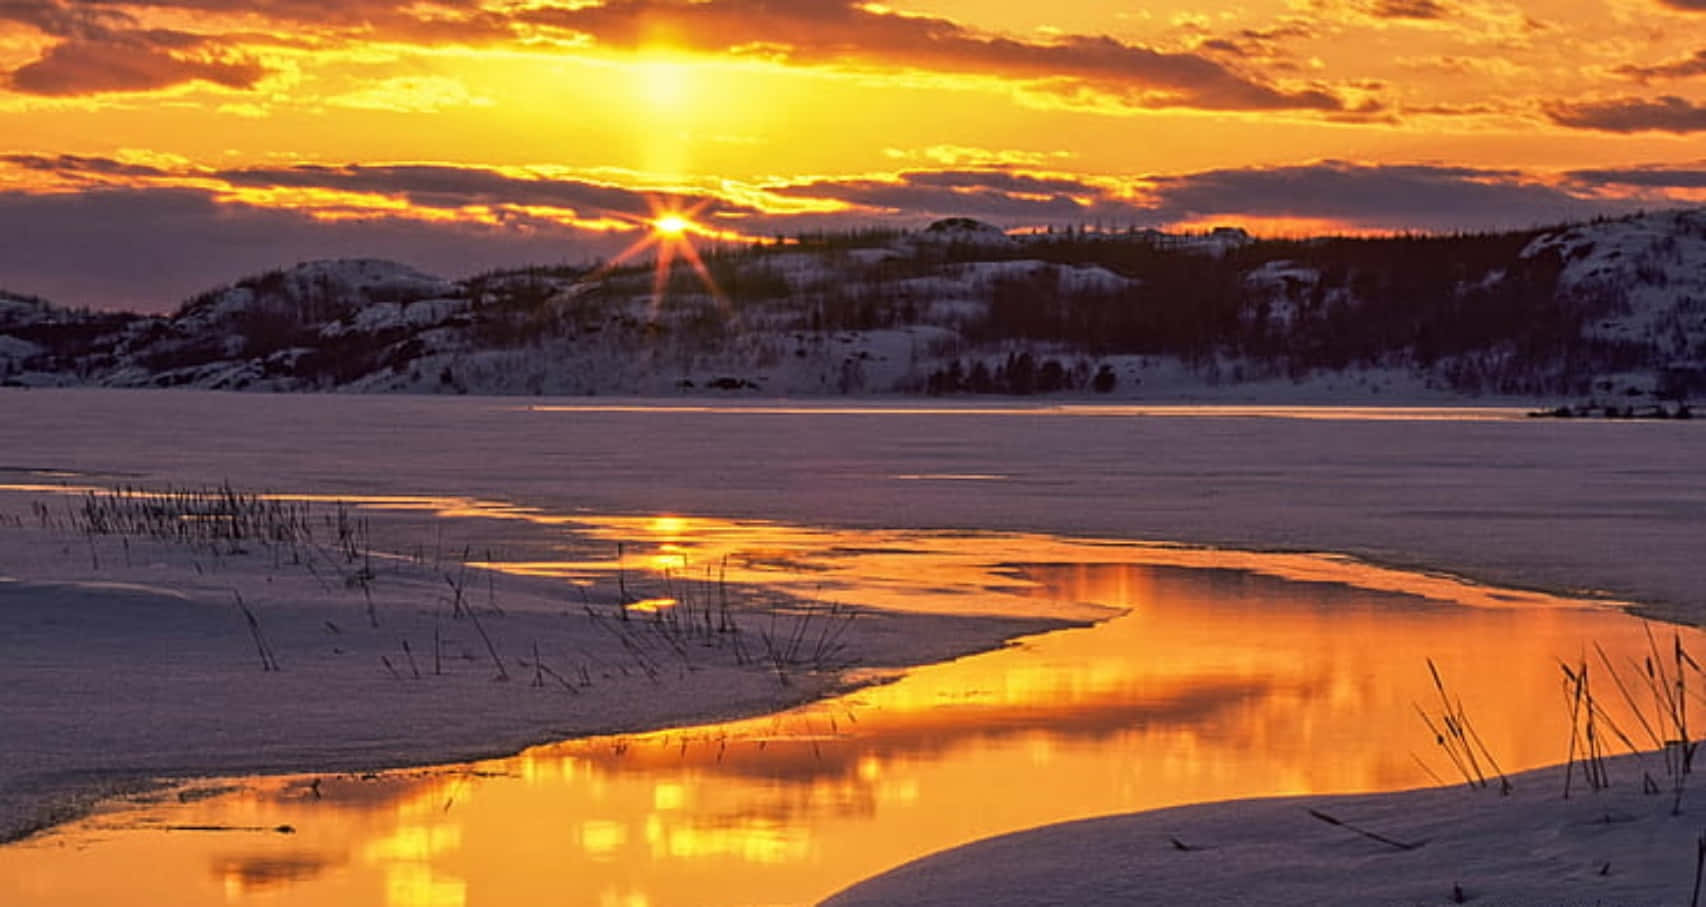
pixel 1652 272
pixel 1613 309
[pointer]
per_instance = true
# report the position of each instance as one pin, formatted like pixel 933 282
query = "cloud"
pixel 1366 196
pixel 1665 114
pixel 104 46
pixel 447 186
pixel 1265 45
pixel 838 32
pixel 1672 69
pixel 411 94
pixel 336 12
pixel 76 165
pixel 1687 6
pixel 1004 181
pixel 1225 46
pixel 436 188
pixel 163 232
pixel 433 23
pixel 1656 177
pixel 997 195
pixel 1395 197
pixel 1408 9
pixel 149 248
pixel 94 67
pixel 962 155
pixel 61 21
pixel 106 50
pixel 440 22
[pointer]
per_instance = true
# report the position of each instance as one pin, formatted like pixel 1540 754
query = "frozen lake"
pixel 1611 506
pixel 1229 674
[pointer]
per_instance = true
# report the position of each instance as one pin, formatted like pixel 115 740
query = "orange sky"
pixel 469 133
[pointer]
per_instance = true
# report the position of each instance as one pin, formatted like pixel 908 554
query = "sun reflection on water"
pixel 1225 674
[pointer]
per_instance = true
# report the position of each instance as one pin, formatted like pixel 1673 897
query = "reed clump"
pixel 693 620
pixel 1655 708
pixel 695 612
pixel 226 522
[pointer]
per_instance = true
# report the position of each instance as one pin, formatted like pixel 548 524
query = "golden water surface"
pixel 1226 675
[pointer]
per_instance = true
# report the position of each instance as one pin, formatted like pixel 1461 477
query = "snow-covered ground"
pixel 127 659
pixel 1657 263
pixel 1616 846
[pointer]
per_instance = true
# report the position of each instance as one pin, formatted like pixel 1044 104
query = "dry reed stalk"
pixel 411 656
pixel 269 662
pixel 1374 836
pixel 1699 868
pixel 503 673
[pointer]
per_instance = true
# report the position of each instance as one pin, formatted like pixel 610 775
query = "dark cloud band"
pixel 840 32
pixel 1666 114
pixel 440 186
pixel 95 67
pixel 1674 69
pixel 1644 177
pixel 168 233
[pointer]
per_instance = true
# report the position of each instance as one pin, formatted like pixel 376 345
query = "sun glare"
pixel 665 84
pixel 668 525
pixel 669 234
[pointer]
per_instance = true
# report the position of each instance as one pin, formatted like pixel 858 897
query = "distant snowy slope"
pixel 1651 270
pixel 316 291
pixel 42 344
pixel 962 230
pixel 17 310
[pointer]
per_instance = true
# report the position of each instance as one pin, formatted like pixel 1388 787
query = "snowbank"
pixel 1617 846
pixel 129 660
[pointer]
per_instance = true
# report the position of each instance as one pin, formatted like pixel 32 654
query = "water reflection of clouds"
pixel 246 875
pixel 795 753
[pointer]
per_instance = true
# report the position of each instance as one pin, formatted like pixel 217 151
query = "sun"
pixel 665 85
pixel 670 225
pixel 669 232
